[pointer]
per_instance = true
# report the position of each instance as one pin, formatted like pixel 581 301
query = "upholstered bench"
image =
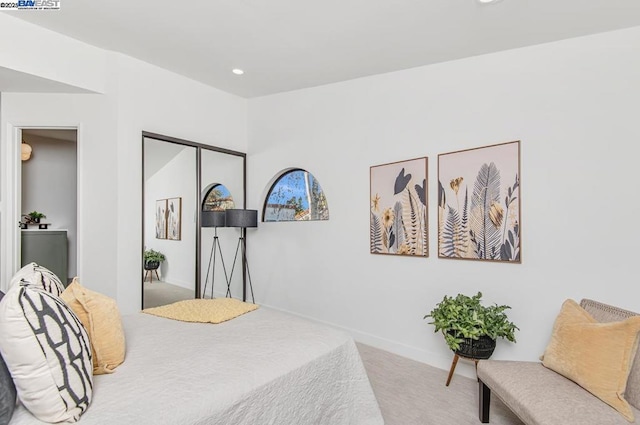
pixel 540 396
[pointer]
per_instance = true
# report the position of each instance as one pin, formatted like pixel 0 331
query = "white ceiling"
pixel 290 44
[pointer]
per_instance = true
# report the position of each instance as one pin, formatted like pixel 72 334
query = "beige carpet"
pixel 159 293
pixel 413 393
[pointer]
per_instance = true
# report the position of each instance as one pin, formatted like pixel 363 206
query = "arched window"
pixel 296 196
pixel 217 198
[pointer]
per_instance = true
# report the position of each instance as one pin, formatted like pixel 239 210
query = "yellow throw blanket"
pixel 215 310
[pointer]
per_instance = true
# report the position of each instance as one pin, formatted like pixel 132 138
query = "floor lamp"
pixel 241 219
pixel 214 219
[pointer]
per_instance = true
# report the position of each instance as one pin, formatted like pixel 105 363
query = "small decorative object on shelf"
pixel 35 216
pixel 32 219
pixel 469 328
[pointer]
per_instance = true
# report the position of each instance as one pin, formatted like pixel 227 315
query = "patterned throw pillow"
pixel 39 276
pixel 48 353
pixel 7 390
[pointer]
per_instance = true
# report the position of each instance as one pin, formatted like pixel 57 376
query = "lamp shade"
pixel 241 218
pixel 213 219
pixel 25 151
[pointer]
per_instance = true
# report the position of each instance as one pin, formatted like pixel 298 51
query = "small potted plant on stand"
pixel 35 216
pixel 152 260
pixel 471 329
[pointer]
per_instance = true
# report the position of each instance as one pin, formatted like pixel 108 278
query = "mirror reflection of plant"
pixel 151 255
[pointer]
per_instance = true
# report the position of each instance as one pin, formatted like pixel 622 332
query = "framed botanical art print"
pixel 398 211
pixel 479 203
pixel 174 218
pixel 161 219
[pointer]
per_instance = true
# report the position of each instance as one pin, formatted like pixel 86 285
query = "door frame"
pixel 11 196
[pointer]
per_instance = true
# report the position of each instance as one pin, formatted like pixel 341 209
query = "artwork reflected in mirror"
pixel 174 218
pixel 170 207
pixel 161 219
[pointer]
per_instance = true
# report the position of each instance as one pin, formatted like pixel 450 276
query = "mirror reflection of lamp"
pixel 25 151
pixel 241 218
pixel 214 219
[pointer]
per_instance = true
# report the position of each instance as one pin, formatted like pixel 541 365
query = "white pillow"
pixel 39 276
pixel 48 353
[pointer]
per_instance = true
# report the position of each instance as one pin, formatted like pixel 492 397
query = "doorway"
pixel 49 200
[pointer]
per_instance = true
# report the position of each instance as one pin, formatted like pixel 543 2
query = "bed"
pixel 265 367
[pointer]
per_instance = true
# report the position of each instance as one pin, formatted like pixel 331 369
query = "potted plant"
pixel 35 216
pixel 152 259
pixel 471 329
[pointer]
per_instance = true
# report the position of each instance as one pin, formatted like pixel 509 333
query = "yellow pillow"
pixel 596 356
pixel 100 316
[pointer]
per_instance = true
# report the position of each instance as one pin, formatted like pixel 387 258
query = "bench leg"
pixel 484 400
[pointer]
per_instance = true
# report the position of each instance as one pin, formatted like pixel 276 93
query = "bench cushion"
pixel 518 385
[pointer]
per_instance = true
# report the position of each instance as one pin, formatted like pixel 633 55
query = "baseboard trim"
pixel 404 350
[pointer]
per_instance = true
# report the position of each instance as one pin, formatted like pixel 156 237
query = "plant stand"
pixel 457 357
pixel 151 267
pixel 150 274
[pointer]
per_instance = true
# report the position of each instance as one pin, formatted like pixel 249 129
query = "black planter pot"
pixel 480 349
pixel 151 265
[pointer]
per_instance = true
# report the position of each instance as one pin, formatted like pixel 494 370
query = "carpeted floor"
pixel 159 293
pixel 413 393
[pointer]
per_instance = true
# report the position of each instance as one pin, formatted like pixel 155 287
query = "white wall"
pixel 49 185
pixel 155 100
pixel 175 180
pixel 573 104
pixel 37 51
pixel 94 117
pixel 138 97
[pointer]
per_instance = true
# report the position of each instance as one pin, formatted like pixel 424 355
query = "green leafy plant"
pixel 463 317
pixel 151 255
pixel 36 215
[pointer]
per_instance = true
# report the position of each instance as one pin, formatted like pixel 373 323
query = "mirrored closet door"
pixel 222 188
pixel 184 184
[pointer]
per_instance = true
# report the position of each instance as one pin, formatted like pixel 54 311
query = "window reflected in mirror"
pixel 217 198
pixel 296 196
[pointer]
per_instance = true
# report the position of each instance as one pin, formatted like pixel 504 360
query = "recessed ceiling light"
pixel 488 1
pixel 237 71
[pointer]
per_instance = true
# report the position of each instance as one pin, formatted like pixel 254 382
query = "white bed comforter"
pixel 265 367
